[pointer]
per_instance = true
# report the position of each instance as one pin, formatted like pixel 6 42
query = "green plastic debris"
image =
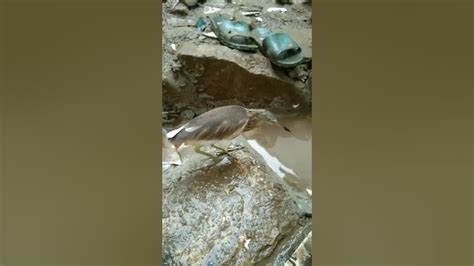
pixel 201 24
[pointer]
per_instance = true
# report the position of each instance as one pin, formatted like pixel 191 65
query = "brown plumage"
pixel 221 123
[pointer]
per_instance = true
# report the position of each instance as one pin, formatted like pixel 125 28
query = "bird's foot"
pixel 198 149
pixel 227 151
pixel 220 154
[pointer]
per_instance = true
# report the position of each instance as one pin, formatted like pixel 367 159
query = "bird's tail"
pixel 169 152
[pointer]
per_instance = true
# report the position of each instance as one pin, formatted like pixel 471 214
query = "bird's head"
pixel 264 116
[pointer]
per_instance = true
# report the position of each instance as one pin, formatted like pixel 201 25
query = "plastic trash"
pixel 211 10
pixel 201 24
pixel 277 9
pixel 250 13
pixel 210 35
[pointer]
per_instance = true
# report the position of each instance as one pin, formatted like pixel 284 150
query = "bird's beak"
pixel 285 128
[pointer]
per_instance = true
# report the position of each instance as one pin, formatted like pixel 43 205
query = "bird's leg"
pixel 240 147
pixel 225 151
pixel 215 159
pixel 219 148
pixel 197 149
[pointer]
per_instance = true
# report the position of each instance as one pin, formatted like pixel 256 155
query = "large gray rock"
pixel 232 213
pixel 190 2
pixel 180 9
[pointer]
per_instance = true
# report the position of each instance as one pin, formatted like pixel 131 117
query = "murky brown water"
pixel 287 154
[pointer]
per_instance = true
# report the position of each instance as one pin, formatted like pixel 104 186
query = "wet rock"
pixel 298 73
pixel 303 253
pixel 308 86
pixel 190 3
pixel 187 115
pixel 239 17
pixel 228 12
pixel 230 217
pixel 180 22
pixel 232 74
pixel 180 9
pixel 205 96
pixel 176 102
pixel 294 243
pixel 165 213
pixel 167 259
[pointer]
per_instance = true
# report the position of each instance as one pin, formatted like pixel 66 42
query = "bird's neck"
pixel 251 124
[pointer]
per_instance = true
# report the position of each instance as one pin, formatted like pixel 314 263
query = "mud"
pixel 199 73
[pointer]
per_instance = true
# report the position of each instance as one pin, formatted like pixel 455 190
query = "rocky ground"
pixel 230 213
pixel 235 211
pixel 199 73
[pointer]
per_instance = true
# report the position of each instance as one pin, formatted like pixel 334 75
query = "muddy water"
pixel 287 154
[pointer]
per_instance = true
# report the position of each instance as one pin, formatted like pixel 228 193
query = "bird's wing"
pixel 191 128
pixel 219 123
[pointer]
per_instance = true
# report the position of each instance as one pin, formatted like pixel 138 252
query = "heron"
pixel 221 123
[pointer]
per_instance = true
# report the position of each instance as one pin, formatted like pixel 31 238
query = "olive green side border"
pixel 2 109
pixel 392 129
pixel 81 118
